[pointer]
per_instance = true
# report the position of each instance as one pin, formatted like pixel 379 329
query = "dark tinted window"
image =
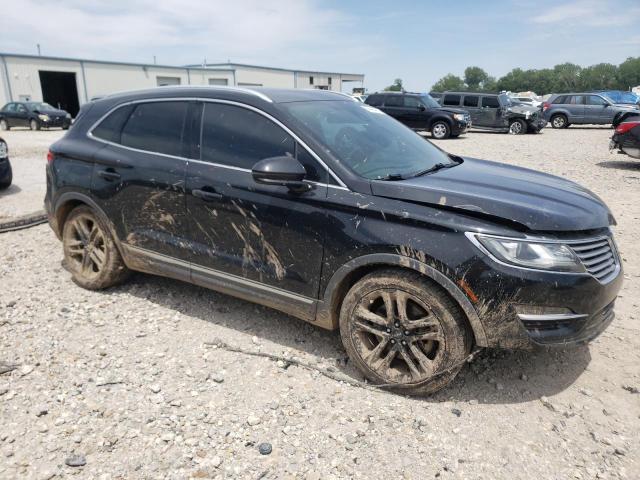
pixel 470 101
pixel 560 100
pixel 156 127
pixel 239 137
pixel 111 127
pixel 374 100
pixel 412 102
pixel 9 107
pixel 595 100
pixel 490 102
pixel 451 100
pixel 315 171
pixel 393 101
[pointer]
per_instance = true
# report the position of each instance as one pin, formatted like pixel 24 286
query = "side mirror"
pixel 284 171
pixel 421 108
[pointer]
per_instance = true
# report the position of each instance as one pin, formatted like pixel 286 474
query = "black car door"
pixel 471 104
pixel 242 230
pixel 416 114
pixel 394 106
pixel 20 116
pixel 139 175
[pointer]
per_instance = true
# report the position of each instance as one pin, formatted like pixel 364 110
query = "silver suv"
pixel 566 108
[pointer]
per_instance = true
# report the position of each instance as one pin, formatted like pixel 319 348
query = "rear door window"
pixel 576 100
pixel 451 100
pixel 156 127
pixel 470 101
pixel 393 101
pixel 490 102
pixel 110 129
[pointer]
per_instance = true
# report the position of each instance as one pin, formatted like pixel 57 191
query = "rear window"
pixel 451 100
pixel 470 101
pixel 374 100
pixel 490 102
pixel 110 129
pixel 156 127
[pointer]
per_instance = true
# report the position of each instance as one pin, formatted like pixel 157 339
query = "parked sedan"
pixel 35 115
pixel 626 138
pixel 566 109
pixel 6 175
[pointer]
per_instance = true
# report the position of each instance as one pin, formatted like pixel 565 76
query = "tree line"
pixel 561 78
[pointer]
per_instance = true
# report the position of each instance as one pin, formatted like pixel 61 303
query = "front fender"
pixel 328 306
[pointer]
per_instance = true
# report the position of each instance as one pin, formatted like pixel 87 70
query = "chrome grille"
pixel 598 256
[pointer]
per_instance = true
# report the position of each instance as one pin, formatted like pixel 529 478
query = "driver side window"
pixel 238 137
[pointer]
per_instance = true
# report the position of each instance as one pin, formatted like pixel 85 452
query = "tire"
pixel 440 130
pixel 559 121
pixel 4 125
pixel 34 125
pixel 65 127
pixel 518 127
pixel 426 324
pixel 84 234
pixel 6 181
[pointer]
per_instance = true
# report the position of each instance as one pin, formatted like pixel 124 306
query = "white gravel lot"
pixel 125 379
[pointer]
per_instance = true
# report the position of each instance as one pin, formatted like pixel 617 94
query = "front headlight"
pixel 4 150
pixel 68 115
pixel 529 254
pixel 44 118
pixel 458 116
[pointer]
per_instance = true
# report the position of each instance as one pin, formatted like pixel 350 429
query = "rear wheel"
pixel 34 125
pixel 90 253
pixel 559 121
pixel 518 127
pixel 401 329
pixel 4 126
pixel 440 130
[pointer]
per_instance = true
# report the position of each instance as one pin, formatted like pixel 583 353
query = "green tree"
pixel 629 73
pixel 514 81
pixel 602 76
pixel 567 77
pixel 396 87
pixel 449 82
pixel 474 77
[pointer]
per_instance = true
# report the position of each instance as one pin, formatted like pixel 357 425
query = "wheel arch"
pixel 327 314
pixel 438 118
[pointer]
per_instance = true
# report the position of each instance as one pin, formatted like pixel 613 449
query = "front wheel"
pixel 90 253
pixel 403 331
pixel 440 130
pixel 4 126
pixel 517 127
pixel 34 125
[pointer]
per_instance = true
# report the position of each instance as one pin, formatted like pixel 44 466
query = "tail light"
pixel 50 157
pixel 626 126
pixel 545 105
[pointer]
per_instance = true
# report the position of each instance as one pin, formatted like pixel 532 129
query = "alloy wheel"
pixel 398 336
pixel 439 130
pixel 85 246
pixel 558 122
pixel 515 128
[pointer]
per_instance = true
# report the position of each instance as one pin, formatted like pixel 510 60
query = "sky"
pixel 418 41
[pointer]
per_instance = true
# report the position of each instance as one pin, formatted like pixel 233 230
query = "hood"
pixel 627 106
pixel 54 112
pixel 452 110
pixel 536 200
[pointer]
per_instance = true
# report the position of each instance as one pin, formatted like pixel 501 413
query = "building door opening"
pixel 59 90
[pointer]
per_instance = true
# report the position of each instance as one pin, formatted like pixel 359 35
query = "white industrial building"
pixel 68 83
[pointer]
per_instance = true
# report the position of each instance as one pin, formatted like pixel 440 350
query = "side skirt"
pixel 144 260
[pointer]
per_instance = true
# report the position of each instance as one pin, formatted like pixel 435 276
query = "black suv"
pixel 490 111
pixel 421 112
pixel 331 211
pixel 34 115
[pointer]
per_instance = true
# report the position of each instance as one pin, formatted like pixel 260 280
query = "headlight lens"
pixel 458 116
pixel 44 117
pixel 68 115
pixel 530 254
pixel 4 150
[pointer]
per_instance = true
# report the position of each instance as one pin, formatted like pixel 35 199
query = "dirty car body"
pixel 292 198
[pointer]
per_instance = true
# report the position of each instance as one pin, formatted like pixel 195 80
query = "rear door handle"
pixel 206 196
pixel 107 175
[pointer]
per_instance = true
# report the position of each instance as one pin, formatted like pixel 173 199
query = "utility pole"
pixel 39 50
pixel 154 59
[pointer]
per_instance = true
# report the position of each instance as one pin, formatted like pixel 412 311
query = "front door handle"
pixel 107 175
pixel 206 196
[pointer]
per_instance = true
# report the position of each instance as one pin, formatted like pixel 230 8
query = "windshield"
pixel 429 101
pixel 506 99
pixel 40 106
pixel 621 97
pixel 369 142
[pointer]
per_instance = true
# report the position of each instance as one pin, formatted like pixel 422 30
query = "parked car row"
pixel 565 109
pixel 34 115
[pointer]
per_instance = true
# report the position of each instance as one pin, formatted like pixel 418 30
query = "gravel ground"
pixel 126 383
pixel 28 156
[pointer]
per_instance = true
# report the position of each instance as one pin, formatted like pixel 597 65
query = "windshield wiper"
pixel 435 168
pixel 391 177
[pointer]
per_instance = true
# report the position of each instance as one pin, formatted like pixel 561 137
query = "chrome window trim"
pixel 218 273
pixel 609 238
pixel 211 100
